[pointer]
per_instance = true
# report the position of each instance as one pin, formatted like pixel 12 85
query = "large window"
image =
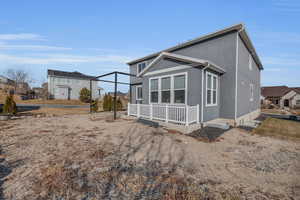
pixel 211 89
pixel 168 89
pixel 179 89
pixel 154 91
pixel 141 66
pixel 139 93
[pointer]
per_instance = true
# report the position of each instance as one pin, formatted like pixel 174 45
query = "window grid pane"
pixel 179 82
pixel 179 96
pixel 166 96
pixel 154 84
pixel 166 83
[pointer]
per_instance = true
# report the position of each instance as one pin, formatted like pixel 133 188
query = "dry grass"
pixel 54 101
pixel 58 111
pixel 274 111
pixel 279 128
pixel 88 157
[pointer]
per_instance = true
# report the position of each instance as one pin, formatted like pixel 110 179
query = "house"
pixel 22 88
pixel 6 84
pixel 282 96
pixel 216 76
pixel 67 85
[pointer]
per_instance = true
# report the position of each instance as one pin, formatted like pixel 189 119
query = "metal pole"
pixel 115 96
pixel 90 96
pixel 130 93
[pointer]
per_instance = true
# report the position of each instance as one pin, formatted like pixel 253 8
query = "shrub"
pixel 119 104
pixel 107 103
pixel 10 106
pixel 94 105
pixel 84 95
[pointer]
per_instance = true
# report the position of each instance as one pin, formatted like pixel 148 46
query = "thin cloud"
pixel 21 36
pixel 286 6
pixel 282 61
pixel 61 59
pixel 33 47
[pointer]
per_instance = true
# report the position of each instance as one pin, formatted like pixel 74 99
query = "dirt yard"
pixel 92 157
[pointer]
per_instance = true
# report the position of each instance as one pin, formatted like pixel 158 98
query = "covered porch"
pixel 177 114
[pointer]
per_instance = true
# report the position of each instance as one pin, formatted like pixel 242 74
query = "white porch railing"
pixel 181 114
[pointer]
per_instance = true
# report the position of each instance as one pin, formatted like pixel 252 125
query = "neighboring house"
pixel 37 92
pixel 282 96
pixel 6 84
pixel 210 77
pixel 23 88
pixel 67 85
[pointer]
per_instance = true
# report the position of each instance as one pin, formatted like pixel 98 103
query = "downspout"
pixel 202 104
pixel 236 73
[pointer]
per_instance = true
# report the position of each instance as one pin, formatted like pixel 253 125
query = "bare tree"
pixel 18 76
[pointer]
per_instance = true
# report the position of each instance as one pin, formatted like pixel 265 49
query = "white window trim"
pixel 136 92
pixel 211 96
pixel 164 90
pixel 137 66
pixel 172 88
pixel 158 80
pixel 251 87
pixel 250 62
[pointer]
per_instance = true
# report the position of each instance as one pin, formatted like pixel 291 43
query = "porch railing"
pixel 181 114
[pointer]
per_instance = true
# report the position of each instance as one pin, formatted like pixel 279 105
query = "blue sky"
pixel 96 37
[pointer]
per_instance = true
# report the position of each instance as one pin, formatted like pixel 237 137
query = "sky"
pixel 96 37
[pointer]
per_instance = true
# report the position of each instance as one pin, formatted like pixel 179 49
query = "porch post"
pixel 138 110
pixel 198 113
pixel 128 109
pixel 167 113
pixel 187 115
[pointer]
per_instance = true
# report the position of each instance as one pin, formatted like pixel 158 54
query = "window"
pixel 154 91
pixel 141 66
pixel 251 91
pixel 179 89
pixel 297 102
pixel 166 90
pixel 211 89
pixel 250 62
pixel 139 93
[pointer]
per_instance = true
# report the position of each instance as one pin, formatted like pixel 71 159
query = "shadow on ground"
pixel 5 170
pixel 208 134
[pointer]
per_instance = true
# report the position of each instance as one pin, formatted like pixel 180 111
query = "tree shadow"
pixel 145 159
pixel 5 169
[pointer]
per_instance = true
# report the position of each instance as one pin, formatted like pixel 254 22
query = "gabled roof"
pixel 296 89
pixel 68 74
pixel 187 59
pixel 239 27
pixel 274 91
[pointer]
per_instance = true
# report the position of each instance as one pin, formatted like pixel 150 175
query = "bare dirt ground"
pixel 92 157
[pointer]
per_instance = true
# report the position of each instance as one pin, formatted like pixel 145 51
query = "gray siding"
pixel 211 112
pixel 220 50
pixel 245 78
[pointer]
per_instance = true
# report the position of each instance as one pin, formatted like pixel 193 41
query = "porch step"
pixel 224 126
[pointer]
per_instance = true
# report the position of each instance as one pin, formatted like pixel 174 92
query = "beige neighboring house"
pixel 291 99
pixel 282 96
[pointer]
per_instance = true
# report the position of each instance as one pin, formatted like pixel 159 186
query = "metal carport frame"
pixel 116 87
